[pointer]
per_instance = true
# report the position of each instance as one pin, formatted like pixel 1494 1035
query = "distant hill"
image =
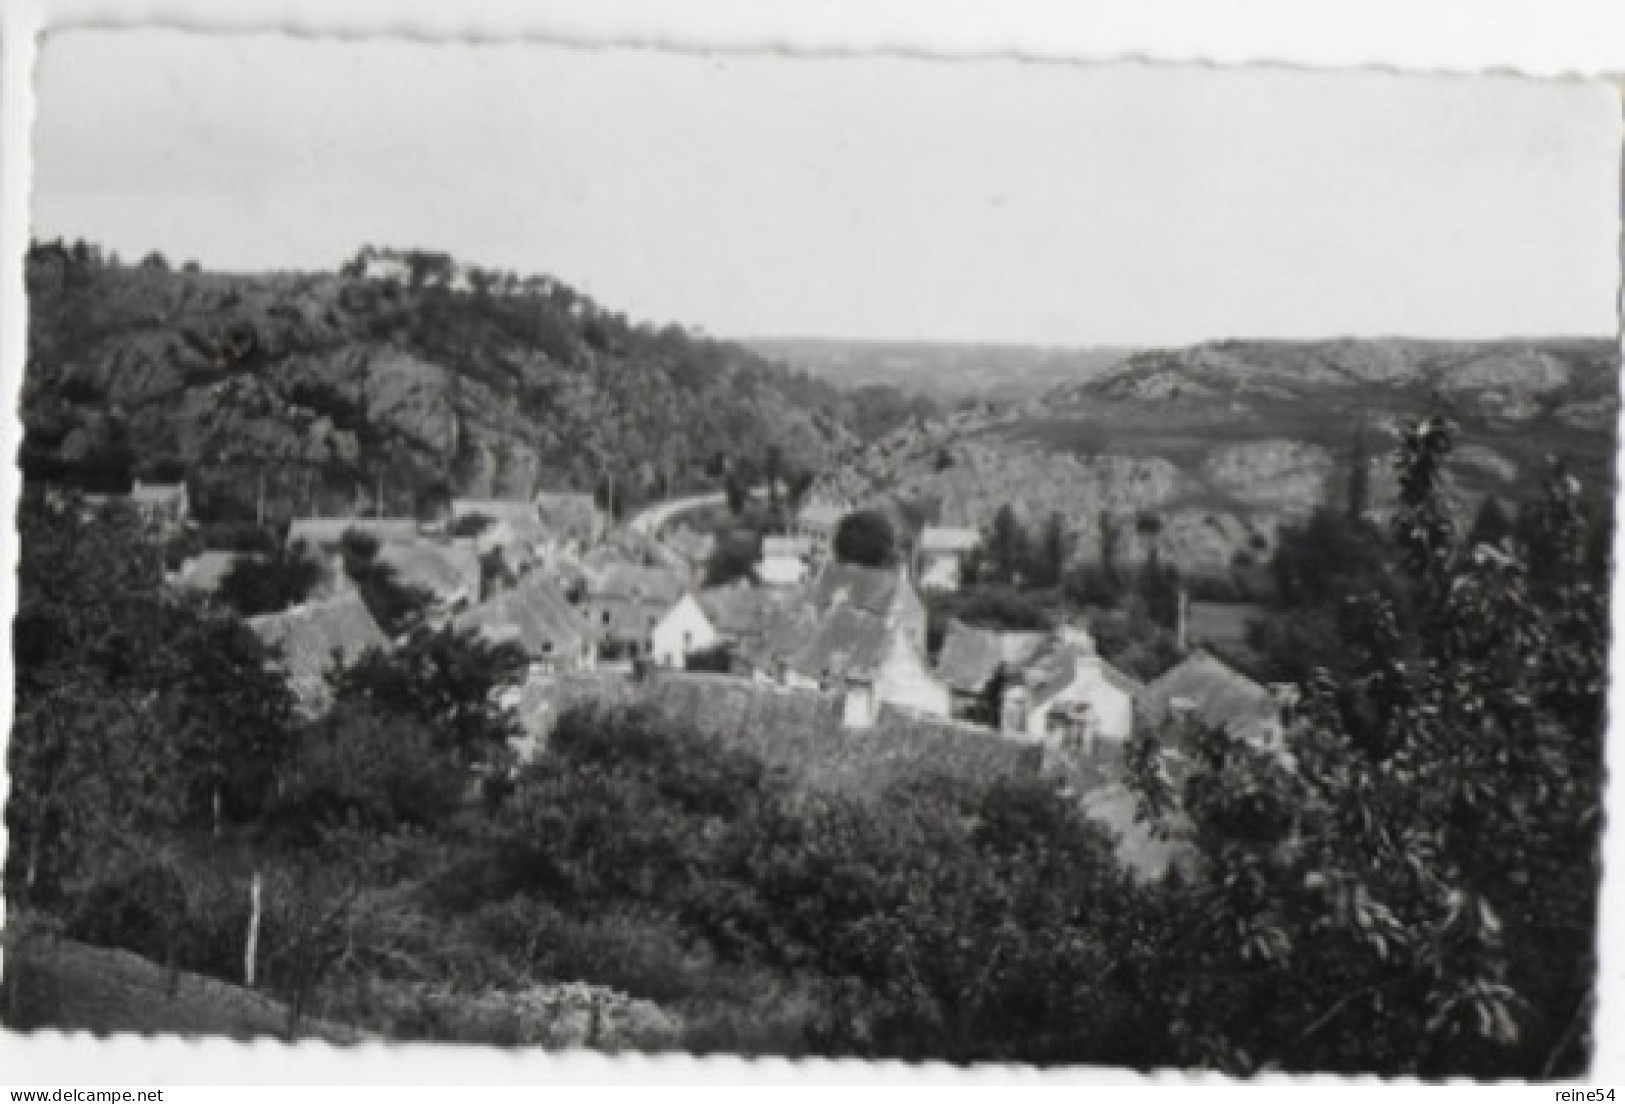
pixel 1204 452
pixel 398 379
pixel 945 372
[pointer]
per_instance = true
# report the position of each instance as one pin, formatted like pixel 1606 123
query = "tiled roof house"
pixel 449 570
pixel 764 626
pixel 1207 690
pixel 315 638
pixel 971 658
pixel 322 535
pixel 535 616
pixel 573 515
pixel 869 642
pixel 624 604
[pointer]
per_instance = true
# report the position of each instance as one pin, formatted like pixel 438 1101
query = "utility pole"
pixel 259 498
pixel 252 943
pixel 1060 576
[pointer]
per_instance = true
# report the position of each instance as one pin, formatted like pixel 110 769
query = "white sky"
pixel 986 200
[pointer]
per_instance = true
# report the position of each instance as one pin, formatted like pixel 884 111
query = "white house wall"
pixel 781 571
pixel 904 679
pixel 939 572
pixel 1113 707
pixel 683 630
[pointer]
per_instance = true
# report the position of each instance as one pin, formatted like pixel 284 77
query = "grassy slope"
pixel 59 984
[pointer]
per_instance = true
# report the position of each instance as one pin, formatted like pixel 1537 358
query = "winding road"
pixel 649 520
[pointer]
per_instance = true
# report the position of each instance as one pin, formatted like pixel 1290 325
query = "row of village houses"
pixel 586 595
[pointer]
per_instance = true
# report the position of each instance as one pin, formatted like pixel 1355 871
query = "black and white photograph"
pixel 980 561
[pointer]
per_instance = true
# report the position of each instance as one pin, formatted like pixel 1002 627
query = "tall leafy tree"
pixel 866 537
pixel 1052 551
pixel 1359 477
pixel 265 584
pixel 137 711
pixel 1157 586
pixel 772 473
pixel 449 681
pixel 736 492
pixel 1111 540
pixel 1411 886
pixel 1007 546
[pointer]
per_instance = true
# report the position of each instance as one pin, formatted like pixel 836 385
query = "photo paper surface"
pixel 987 562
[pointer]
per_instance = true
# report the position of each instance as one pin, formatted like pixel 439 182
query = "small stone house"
pixel 1048 687
pixel 1073 700
pixel 624 604
pixel 763 627
pixel 448 571
pixel 786 561
pixel 975 663
pixel 514 530
pixel 880 592
pixel 694 547
pixel 537 618
pixel 870 644
pixel 940 556
pixel 871 661
pixel 1204 690
pixel 314 639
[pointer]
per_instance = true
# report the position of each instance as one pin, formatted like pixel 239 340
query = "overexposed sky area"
pixel 864 197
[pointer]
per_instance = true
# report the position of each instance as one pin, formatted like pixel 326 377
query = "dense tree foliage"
pixel 449 682
pixel 1413 887
pixel 733 559
pixel 1157 586
pixel 1007 548
pixel 945 919
pixel 1051 552
pixel 866 538
pixel 270 582
pixel 1405 883
pixel 136 711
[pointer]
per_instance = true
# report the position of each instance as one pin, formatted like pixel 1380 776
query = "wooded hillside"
pixel 340 387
